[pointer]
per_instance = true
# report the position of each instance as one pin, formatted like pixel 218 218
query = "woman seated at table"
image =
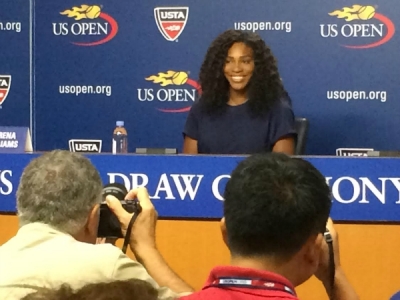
pixel 243 108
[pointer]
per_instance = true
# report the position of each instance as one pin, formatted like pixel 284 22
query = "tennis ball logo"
pixel 169 78
pixel 366 12
pixel 93 12
pixel 356 12
pixel 180 78
pixel 83 12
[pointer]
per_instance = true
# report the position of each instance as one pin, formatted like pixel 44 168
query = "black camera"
pixel 109 225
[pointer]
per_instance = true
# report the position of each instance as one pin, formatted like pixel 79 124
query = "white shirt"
pixel 41 256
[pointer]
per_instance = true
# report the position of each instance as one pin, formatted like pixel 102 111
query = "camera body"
pixel 109 226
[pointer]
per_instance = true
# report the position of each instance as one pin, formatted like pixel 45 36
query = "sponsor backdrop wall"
pixel 15 87
pixel 70 69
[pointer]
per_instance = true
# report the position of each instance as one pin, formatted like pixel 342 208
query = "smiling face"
pixel 239 66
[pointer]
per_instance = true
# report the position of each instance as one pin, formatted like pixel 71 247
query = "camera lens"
pixel 109 225
pixel 116 189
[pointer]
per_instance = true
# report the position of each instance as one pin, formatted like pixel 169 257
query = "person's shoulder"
pixel 109 258
pixel 281 107
pixel 283 103
pixel 199 110
pixel 100 249
pixel 93 254
pixel 197 107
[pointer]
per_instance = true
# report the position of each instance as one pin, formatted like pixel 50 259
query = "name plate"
pixel 15 139
pixel 353 152
pixel 85 146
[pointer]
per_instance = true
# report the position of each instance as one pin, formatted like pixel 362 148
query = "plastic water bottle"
pixel 120 139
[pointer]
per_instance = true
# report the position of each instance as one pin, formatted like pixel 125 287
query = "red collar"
pixel 250 279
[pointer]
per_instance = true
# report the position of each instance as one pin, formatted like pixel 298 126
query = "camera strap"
pixel 329 241
pixel 128 232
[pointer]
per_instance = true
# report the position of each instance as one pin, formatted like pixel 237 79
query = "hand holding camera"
pixel 329 259
pixel 116 215
pixel 110 224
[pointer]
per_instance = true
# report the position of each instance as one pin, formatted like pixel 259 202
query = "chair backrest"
pixel 156 151
pixel 301 125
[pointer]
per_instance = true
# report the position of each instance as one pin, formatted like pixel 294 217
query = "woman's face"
pixel 239 66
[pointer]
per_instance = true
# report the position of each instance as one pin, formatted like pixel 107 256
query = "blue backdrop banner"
pixel 363 189
pixel 89 64
pixel 15 63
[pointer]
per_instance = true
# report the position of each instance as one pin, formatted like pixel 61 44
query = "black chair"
pixel 156 151
pixel 301 125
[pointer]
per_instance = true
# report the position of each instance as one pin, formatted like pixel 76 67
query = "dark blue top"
pixel 236 131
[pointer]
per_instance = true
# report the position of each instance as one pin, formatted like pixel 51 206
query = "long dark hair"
pixel 265 86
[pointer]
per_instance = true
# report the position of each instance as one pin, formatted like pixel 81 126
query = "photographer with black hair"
pixel 58 203
pixel 276 210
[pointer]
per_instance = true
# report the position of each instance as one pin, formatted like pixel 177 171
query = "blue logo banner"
pixel 363 189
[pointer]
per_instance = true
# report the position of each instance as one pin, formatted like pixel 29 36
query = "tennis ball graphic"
pixel 366 12
pixel 93 12
pixel 179 78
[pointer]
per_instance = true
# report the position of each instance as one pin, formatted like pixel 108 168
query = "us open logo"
pixel 360 24
pixel 92 26
pixel 177 88
pixel 171 21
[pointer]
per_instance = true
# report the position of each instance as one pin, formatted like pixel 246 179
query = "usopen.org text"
pixel 261 26
pixel 85 89
pixel 10 26
pixel 357 95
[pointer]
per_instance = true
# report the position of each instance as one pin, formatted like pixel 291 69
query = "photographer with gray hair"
pixel 58 202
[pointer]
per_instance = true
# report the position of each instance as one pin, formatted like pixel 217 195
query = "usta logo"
pixel 85 146
pixel 171 21
pixel 355 154
pixel 362 22
pixel 104 27
pixel 6 186
pixel 5 83
pixel 179 94
pixel 353 151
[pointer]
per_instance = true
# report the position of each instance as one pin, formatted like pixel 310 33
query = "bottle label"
pixel 120 143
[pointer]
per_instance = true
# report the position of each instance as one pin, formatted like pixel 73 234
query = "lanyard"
pixel 253 283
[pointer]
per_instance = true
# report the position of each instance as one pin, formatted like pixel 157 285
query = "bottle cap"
pixel 120 123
